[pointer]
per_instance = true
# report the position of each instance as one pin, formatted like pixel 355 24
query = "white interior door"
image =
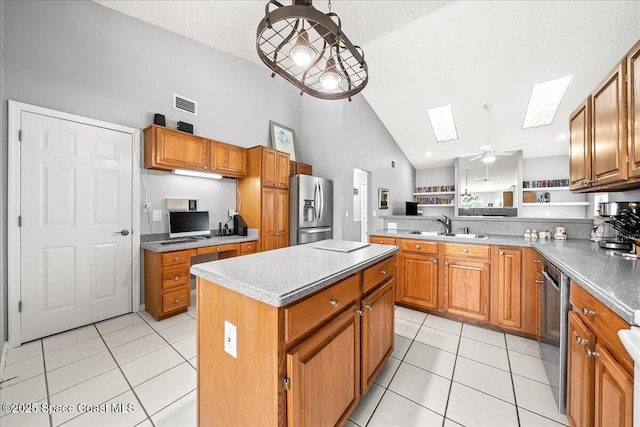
pixel 75 199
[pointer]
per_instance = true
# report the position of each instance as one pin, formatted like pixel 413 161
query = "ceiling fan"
pixel 488 155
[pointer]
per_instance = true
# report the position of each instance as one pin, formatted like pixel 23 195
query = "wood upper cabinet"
pixel 609 139
pixel 580 375
pixel 466 285
pixel 377 332
pixel 506 298
pixel 324 373
pixel 633 106
pixel 613 391
pixel 418 279
pixel 580 146
pixel 275 168
pixel 304 169
pixel 275 219
pixel 171 149
pixel 228 160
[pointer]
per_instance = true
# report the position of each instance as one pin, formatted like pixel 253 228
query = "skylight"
pixel 442 123
pixel 544 101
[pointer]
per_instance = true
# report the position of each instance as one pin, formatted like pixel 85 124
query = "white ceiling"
pixel 423 54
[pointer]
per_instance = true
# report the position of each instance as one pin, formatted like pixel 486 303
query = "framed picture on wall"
pixel 282 139
pixel 383 198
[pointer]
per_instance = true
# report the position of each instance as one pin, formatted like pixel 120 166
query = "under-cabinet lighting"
pixel 196 174
pixel 442 123
pixel 544 101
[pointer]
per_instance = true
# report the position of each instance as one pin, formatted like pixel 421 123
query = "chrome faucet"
pixel 446 222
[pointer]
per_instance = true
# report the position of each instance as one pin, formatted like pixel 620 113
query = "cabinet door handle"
pixel 590 353
pixel 581 340
pixel 540 282
pixel 501 252
pixel 360 312
pixel 176 278
pixel 435 260
pixel 446 263
pixel 334 302
pixel 588 312
pixel 368 307
pixel 536 261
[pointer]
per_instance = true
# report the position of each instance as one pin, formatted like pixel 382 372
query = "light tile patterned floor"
pixel 442 373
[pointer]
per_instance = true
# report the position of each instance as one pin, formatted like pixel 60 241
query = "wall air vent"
pixel 184 104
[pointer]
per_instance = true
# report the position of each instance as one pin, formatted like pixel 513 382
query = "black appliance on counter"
pixel 239 226
pixel 411 208
pixel 624 217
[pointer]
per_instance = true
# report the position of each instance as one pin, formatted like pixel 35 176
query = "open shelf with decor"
pixel 555 196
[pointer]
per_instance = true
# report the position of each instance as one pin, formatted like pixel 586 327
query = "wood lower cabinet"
pixel 324 374
pixel 579 373
pixel 532 263
pixel 377 332
pixel 600 371
pixel 304 364
pixel 418 279
pixel 467 288
pixel 506 295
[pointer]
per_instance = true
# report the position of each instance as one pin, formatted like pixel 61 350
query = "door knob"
pixel 123 232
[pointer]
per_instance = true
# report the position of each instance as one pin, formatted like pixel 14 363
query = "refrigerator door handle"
pixel 321 201
pixel 315 202
pixel 315 230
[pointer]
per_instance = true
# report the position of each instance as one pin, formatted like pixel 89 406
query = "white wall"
pixel 82 58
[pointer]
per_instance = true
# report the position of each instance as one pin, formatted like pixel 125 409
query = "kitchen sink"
pixel 466 235
pixel 427 233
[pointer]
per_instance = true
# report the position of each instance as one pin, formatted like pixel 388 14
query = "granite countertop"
pixel 613 280
pixel 282 276
pixel 157 246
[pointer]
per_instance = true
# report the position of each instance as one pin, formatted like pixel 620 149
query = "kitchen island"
pixel 293 336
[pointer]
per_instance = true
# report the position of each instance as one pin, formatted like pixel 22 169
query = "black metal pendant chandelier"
pixel 309 49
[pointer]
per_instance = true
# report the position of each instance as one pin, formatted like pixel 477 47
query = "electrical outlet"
pixel 231 339
pixel 392 225
pixel 146 207
pixel 157 215
pixel 232 212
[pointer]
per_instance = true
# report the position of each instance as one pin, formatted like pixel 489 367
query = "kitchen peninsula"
pixel 299 332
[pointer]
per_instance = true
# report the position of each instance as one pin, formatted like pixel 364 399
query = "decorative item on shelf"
pixel 436 189
pixel 561 233
pixel 534 234
pixel 529 197
pixel 310 50
pixel 185 127
pixel 527 233
pixel 546 183
pixel 281 138
pixel 546 235
pixel 158 119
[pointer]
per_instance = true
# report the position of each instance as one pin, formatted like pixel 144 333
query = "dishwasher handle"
pixel 551 280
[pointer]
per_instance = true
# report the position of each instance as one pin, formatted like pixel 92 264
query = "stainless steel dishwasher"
pixel 554 309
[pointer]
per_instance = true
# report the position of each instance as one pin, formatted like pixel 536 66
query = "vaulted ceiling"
pixel 424 54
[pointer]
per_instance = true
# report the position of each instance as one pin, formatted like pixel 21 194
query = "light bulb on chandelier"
pixel 302 53
pixel 330 78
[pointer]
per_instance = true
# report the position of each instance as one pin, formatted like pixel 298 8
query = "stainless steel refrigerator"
pixel 311 209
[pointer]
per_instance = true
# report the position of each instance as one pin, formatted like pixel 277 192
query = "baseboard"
pixel 141 307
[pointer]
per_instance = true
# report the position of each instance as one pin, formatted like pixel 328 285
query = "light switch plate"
pixel 231 339
pixel 157 215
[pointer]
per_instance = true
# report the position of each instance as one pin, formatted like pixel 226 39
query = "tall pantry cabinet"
pixel 263 196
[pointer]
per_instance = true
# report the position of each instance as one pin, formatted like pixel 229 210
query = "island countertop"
pixel 282 276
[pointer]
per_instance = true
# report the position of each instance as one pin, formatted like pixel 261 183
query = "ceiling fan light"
pixel 330 78
pixel 488 158
pixel 302 53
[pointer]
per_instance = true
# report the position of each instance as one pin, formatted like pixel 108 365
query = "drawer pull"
pixel 334 302
pixel 588 312
pixel 383 272
pixel 536 261
pixel 177 300
pixel 381 242
pixel 465 251
pixel 417 246
pixel 540 282
pixel 581 340
pixel 591 353
pixel 176 278
pixel 368 307
pixel 176 258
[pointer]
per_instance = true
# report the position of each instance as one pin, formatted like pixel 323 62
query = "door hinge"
pixel 20 135
pixel 19 306
pixel 20 221
pixel 285 384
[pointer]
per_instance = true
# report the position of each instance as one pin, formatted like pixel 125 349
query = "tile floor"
pixel 442 373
